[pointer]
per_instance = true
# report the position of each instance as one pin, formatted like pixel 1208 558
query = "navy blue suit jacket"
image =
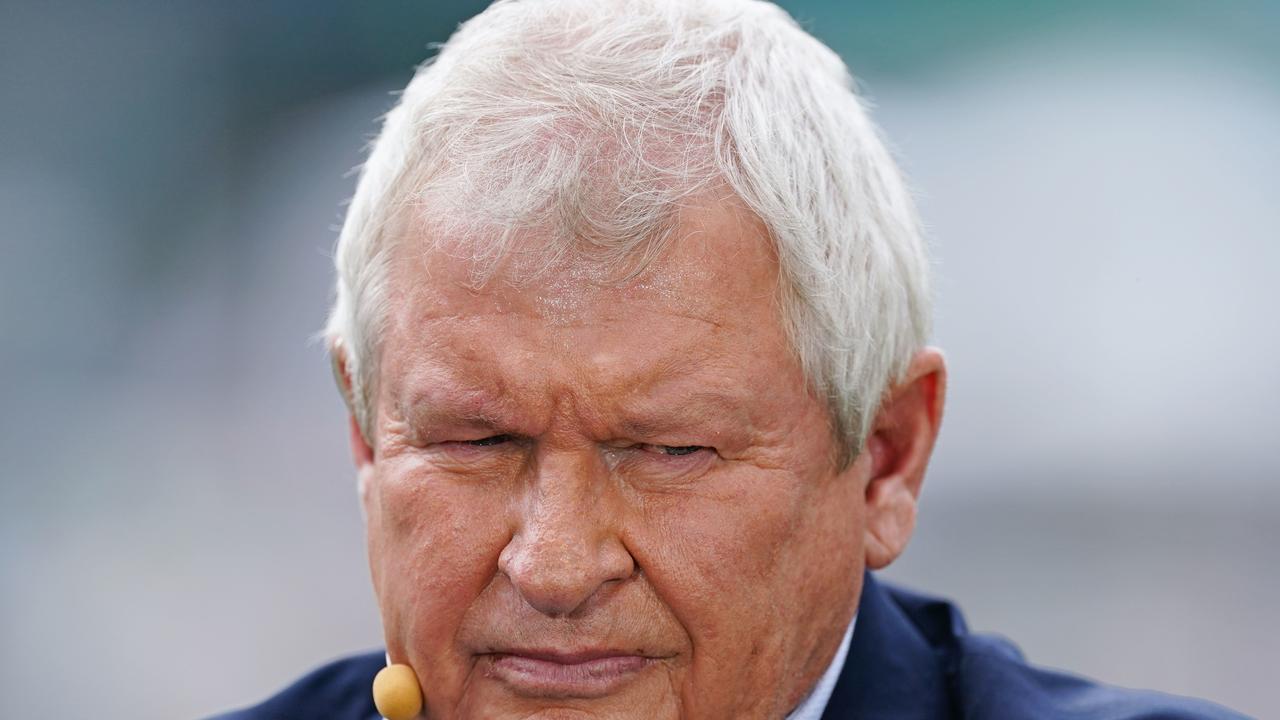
pixel 911 658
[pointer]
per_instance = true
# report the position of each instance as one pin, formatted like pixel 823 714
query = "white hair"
pixel 593 120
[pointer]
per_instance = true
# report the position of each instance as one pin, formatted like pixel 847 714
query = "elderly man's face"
pixel 614 500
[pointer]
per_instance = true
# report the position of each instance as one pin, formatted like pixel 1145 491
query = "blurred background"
pixel 179 531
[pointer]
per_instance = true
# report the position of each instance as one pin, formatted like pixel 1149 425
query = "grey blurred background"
pixel 179 531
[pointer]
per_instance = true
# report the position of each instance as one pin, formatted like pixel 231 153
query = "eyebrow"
pixel 698 407
pixel 446 402
pixel 644 419
pixel 659 405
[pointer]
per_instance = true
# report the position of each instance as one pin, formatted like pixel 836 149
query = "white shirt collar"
pixel 816 702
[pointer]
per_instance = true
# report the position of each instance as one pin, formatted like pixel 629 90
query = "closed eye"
pixel 675 450
pixel 489 441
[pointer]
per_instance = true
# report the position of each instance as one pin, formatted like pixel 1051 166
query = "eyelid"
pixel 493 442
pixel 490 440
pixel 659 449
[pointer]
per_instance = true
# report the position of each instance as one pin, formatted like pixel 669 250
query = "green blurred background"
pixel 178 525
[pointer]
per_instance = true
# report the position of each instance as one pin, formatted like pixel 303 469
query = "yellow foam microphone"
pixel 396 693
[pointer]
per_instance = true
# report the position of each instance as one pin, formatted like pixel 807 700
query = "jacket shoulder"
pixel 994 682
pixel 990 679
pixel 340 690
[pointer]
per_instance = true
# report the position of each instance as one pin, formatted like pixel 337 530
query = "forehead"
pixel 710 294
pixel 718 254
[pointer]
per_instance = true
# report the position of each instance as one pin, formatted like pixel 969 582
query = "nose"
pixel 566 548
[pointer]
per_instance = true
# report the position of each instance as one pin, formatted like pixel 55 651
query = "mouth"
pixel 590 673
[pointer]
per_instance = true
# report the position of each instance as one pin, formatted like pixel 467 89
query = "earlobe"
pixel 898 452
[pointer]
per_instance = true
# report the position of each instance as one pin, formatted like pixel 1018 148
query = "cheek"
pixel 714 559
pixel 433 547
pixel 728 540
pixel 760 573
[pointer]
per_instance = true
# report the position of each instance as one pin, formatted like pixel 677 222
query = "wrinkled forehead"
pixel 705 261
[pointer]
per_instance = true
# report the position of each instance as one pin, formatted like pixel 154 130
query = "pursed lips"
pixel 584 673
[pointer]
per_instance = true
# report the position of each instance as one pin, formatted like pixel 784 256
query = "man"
pixel 631 320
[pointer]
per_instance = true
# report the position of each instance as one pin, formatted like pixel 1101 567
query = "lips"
pixel 549 673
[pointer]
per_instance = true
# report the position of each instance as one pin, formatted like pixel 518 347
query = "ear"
pixel 898 451
pixel 361 449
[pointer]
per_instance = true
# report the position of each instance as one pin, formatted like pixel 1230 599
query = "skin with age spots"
pixel 563 467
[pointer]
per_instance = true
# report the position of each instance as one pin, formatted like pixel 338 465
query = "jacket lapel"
pixel 891 671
